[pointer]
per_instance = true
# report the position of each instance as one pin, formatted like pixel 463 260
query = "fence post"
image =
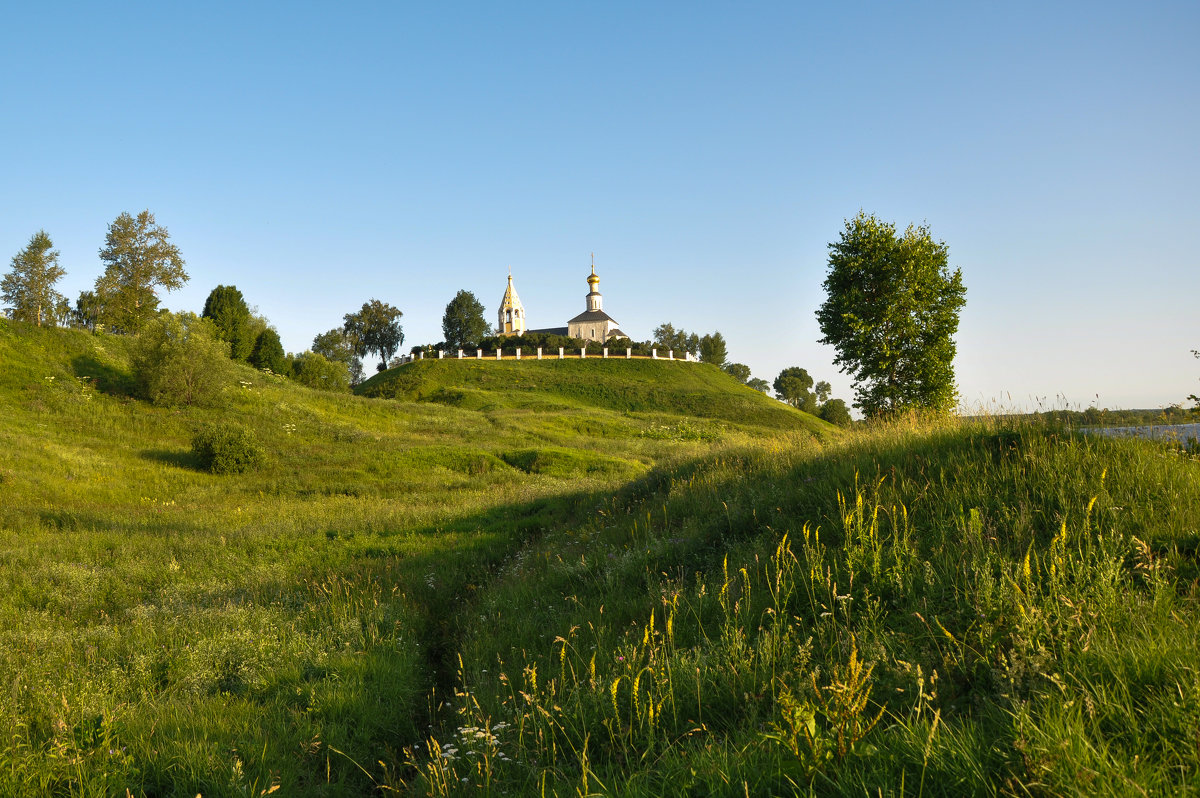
pixel 460 354
pixel 539 353
pixel 582 352
pixel 479 354
pixel 654 354
pixel 670 354
pixel 560 353
pixel 498 351
pixel 422 354
pixel 518 353
pixel 441 354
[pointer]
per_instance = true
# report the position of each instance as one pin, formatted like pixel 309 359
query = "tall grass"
pixel 947 610
pixel 541 592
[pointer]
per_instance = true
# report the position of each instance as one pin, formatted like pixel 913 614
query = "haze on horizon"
pixel 706 153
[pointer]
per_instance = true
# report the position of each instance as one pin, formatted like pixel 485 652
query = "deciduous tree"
pixel 139 258
pixel 335 345
pixel 29 287
pixel 375 328
pixel 835 412
pixel 891 312
pixel 463 324
pixel 679 341
pixel 792 385
pixel 739 371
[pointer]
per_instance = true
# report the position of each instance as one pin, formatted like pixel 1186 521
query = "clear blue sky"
pixel 319 155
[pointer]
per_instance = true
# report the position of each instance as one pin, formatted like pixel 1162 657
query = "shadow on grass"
pixel 104 376
pixel 180 459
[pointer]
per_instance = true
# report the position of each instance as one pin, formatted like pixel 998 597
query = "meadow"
pixel 579 578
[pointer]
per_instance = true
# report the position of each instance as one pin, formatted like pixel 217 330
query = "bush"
pixel 178 360
pixel 316 371
pixel 227 449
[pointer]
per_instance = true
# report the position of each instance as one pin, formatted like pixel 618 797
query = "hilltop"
pixel 695 390
pixel 596 578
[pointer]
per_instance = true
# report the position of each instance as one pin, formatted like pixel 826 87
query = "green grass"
pixel 626 578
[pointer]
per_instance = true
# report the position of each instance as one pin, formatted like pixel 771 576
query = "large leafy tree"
pixel 88 310
pixel 138 258
pixel 667 337
pixel 891 311
pixel 29 287
pixel 335 345
pixel 463 324
pixel 793 386
pixel 739 371
pixel 375 328
pixel 231 315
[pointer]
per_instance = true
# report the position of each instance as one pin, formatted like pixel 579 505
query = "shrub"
pixel 227 449
pixel 178 360
pixel 315 371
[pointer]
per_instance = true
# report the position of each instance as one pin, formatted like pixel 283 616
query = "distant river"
pixel 1178 432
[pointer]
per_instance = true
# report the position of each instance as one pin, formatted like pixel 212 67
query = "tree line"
pixel 891 312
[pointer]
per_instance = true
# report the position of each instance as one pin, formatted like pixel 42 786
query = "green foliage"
pixel 29 287
pixel 268 352
pixel 822 390
pixel 712 349
pixel 792 385
pixel 835 412
pixel 463 324
pixel 678 341
pixel 759 384
pixel 739 610
pixel 891 311
pixel 375 328
pixel 231 316
pixel 337 346
pixel 227 449
pixel 178 360
pixel 87 311
pixel 739 371
pixel 138 257
pixel 315 371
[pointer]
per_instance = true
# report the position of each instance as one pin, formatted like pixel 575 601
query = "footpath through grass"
pixel 539 590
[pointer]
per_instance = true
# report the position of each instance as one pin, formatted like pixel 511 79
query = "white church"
pixel 591 325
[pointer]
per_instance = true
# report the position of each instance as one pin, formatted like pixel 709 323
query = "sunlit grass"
pixel 546 591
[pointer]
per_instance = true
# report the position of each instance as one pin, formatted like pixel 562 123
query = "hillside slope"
pixel 696 390
pixel 149 605
pixel 529 591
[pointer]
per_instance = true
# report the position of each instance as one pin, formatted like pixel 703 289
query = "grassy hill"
pixel 510 580
pixel 696 390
